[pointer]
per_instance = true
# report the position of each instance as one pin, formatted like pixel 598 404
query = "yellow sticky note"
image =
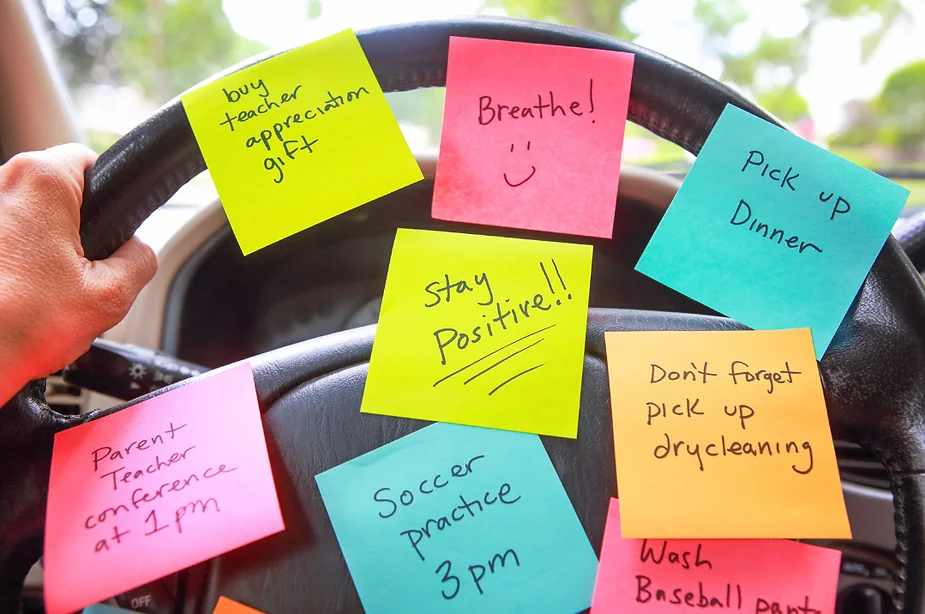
pixel 487 331
pixel 299 138
pixel 722 434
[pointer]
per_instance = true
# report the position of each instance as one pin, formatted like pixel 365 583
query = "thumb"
pixel 113 284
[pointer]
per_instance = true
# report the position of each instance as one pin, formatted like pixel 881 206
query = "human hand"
pixel 53 301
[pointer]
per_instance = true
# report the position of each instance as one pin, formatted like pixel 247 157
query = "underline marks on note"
pixel 512 355
pixel 511 379
pixel 502 360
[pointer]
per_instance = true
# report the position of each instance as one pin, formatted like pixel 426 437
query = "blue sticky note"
pixel 458 518
pixel 771 230
pixel 101 608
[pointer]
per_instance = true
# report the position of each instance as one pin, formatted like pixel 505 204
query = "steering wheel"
pixel 310 392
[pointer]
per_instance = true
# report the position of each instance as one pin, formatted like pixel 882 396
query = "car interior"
pixel 303 312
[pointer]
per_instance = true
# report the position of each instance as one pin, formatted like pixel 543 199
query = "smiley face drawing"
pixel 530 176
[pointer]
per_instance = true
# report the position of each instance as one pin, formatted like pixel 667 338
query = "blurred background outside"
pixel 848 75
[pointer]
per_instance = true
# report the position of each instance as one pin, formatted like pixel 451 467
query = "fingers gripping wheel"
pixel 872 373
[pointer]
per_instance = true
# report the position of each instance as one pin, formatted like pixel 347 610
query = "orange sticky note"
pixel 155 488
pixel 229 606
pixel 723 434
pixel 764 576
pixel 532 136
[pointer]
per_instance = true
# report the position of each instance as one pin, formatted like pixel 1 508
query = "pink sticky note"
pixel 655 576
pixel 155 488
pixel 532 136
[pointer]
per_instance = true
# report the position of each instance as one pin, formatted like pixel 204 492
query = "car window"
pixel 846 74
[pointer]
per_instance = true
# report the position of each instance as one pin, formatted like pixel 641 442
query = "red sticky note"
pixel 155 488
pixel 229 606
pixel 655 576
pixel 532 136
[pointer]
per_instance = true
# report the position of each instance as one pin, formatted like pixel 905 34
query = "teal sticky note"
pixel 101 608
pixel 771 230
pixel 458 518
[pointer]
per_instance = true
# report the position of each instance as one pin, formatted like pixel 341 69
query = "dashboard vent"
pixel 857 465
pixel 62 397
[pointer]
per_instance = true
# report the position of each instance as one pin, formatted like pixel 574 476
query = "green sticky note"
pixel 456 518
pixel 771 230
pixel 299 138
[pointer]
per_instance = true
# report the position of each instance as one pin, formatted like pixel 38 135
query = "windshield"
pixel 846 74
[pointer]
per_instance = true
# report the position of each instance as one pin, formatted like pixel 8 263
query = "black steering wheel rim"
pixel 128 183
pixel 872 374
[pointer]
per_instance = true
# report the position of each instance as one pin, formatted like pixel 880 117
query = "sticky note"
pixel 459 519
pixel 157 487
pixel 299 138
pixel 771 230
pixel 532 136
pixel 764 576
pixel 229 606
pixel 488 331
pixel 722 422
pixel 102 608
